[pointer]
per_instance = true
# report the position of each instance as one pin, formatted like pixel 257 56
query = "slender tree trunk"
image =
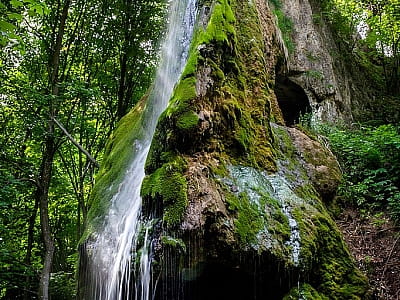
pixel 123 97
pixel 43 197
pixel 122 105
pixel 28 257
pixel 48 158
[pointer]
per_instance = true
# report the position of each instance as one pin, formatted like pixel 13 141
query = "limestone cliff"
pixel 337 87
pixel 239 197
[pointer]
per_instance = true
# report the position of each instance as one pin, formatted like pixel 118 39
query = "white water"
pixel 112 250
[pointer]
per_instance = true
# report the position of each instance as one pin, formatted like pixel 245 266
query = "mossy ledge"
pixel 116 159
pixel 167 186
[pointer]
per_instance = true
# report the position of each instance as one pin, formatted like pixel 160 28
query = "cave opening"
pixel 216 281
pixel 292 100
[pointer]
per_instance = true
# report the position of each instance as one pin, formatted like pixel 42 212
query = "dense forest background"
pixel 70 69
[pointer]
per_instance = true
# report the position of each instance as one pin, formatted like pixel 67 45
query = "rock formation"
pixel 238 197
pixel 334 83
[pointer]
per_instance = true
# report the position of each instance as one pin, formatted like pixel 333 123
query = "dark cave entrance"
pixel 219 282
pixel 292 100
pixel 216 281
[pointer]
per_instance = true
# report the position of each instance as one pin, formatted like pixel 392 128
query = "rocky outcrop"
pixel 237 196
pixel 336 88
pixel 320 164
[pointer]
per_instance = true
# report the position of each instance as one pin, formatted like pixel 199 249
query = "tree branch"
pixel 91 158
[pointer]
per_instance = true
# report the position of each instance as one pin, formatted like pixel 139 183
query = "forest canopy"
pixel 75 67
pixel 371 28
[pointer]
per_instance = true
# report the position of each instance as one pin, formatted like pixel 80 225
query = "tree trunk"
pixel 43 197
pixel 48 158
pixel 122 101
pixel 28 257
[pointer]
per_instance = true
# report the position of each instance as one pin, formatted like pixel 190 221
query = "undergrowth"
pixel 370 161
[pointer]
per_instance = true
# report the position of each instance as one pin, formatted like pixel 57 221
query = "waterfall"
pixel 112 250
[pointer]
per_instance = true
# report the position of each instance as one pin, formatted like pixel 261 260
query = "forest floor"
pixel 374 241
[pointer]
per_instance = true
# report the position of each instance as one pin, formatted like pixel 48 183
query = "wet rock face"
pixel 238 232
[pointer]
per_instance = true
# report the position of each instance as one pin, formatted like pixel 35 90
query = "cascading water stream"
pixel 111 250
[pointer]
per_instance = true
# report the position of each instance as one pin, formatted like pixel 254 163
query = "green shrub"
pixel 62 286
pixel 370 159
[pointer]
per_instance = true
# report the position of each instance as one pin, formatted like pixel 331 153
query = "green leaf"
pixel 15 16
pixel 16 3
pixel 13 36
pixel 38 9
pixel 6 27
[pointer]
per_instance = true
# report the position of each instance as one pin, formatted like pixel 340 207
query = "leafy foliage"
pixel 371 28
pixel 107 56
pixel 370 158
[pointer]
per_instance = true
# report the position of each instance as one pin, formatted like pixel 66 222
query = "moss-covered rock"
pixel 249 196
pixel 236 94
pixel 321 165
pixel 326 258
pixel 305 292
pixel 117 157
pixel 230 188
pixel 168 186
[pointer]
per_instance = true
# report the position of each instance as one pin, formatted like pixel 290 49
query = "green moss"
pixel 249 220
pixel 325 252
pixel 247 89
pixel 221 23
pixel 117 156
pixel 168 185
pixel 187 121
pixel 243 138
pixel 184 92
pixel 305 292
pixel 283 143
pixel 219 30
pixel 278 223
pixel 176 243
pixel 217 72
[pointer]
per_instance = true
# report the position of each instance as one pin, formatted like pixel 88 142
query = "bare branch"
pixel 91 158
